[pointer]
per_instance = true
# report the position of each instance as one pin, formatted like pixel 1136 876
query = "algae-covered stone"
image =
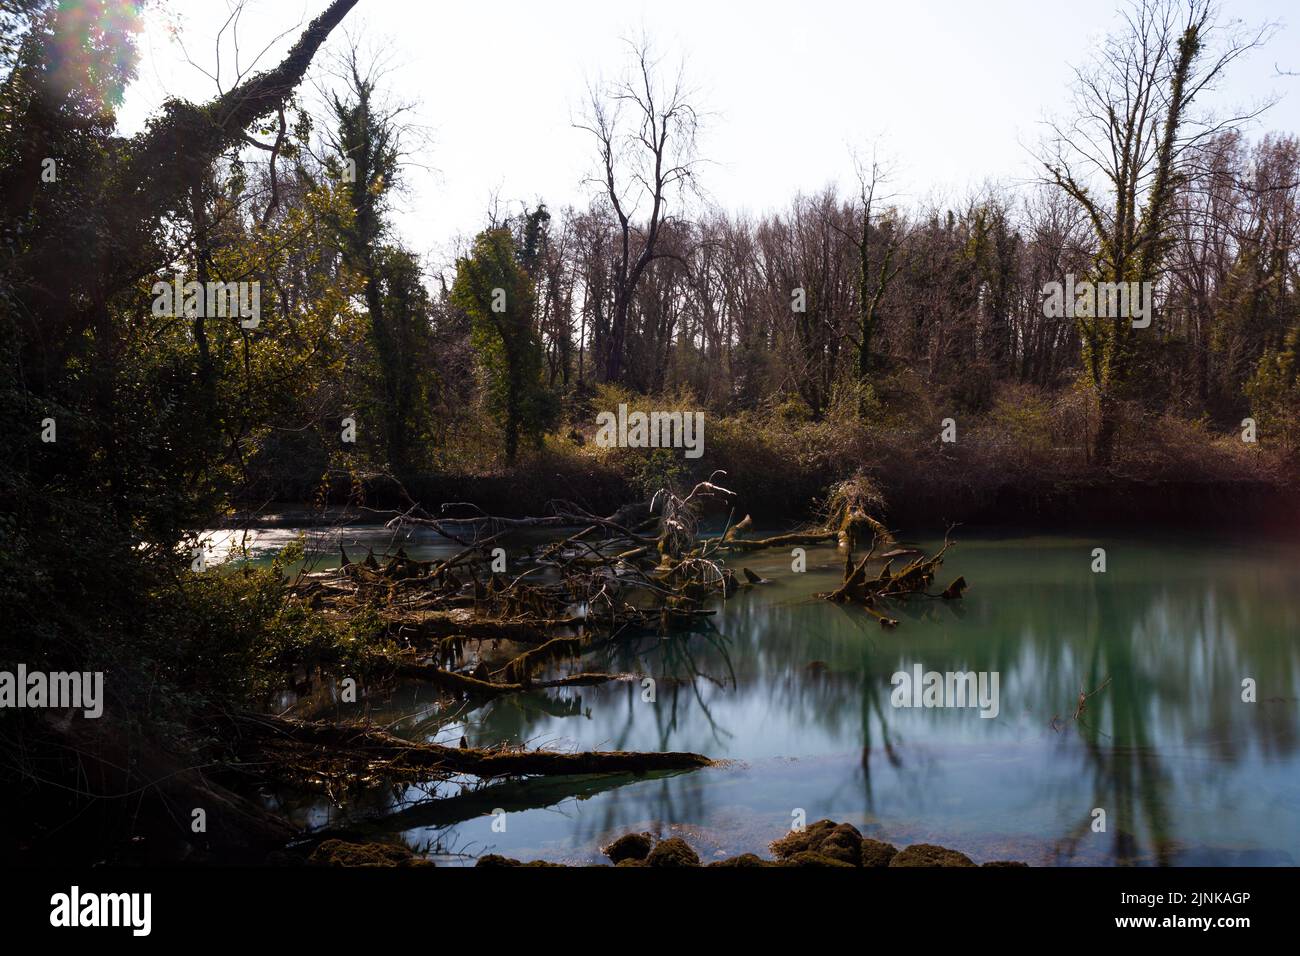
pixel 493 859
pixel 811 858
pixel 343 853
pixel 797 841
pixel 839 841
pixel 843 843
pixel 672 852
pixel 632 846
pixel 745 859
pixel 1005 863
pixel 927 854
pixel 875 853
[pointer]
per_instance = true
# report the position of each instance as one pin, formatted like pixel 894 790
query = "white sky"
pixel 952 91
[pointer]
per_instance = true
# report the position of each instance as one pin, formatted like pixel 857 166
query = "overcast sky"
pixel 951 91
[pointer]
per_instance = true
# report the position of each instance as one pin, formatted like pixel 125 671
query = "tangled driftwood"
pixel 472 631
pixel 871 593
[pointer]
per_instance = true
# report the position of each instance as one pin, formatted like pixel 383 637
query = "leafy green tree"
pixel 366 149
pixel 494 289
pixel 132 425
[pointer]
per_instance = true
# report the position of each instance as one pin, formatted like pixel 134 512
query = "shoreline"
pixel 1253 504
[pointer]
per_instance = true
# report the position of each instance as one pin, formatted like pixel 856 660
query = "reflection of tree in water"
pixel 1127 779
pixel 1174 650
pixel 1174 665
pixel 680 663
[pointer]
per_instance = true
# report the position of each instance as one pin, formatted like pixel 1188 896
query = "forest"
pixel 860 361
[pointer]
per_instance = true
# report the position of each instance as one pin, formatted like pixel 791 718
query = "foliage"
pixel 495 291
pixel 1274 393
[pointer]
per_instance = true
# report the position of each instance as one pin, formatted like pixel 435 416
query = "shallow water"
pixel 795 695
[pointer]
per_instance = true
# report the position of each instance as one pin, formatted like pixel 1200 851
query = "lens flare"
pixel 92 53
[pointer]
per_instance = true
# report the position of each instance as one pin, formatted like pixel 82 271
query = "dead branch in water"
pixel 870 593
pixel 477 633
pixel 1080 706
pixel 299 744
pixel 467 684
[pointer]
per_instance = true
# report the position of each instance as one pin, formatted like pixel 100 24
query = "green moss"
pixel 874 853
pixel 672 852
pixel 631 846
pixel 927 854
pixel 345 854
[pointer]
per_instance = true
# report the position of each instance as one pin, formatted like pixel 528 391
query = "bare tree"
pixel 872 285
pixel 1128 150
pixel 645 131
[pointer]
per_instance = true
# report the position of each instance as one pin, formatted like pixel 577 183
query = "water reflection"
pixel 795 694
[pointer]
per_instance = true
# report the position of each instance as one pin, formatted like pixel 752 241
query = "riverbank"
pixel 1265 505
pixel 1023 458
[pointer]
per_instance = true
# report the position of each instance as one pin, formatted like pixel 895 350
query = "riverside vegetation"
pixel 861 367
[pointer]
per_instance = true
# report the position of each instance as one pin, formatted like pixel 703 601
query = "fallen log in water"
pixel 797 539
pixel 464 683
pixel 476 633
pixel 339 742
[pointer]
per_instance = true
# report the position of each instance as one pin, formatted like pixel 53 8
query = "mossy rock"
pixel 839 841
pixel 800 841
pixel 875 853
pixel 672 852
pixel 632 846
pixel 745 859
pixel 927 854
pixel 1005 863
pixel 493 859
pixel 843 843
pixel 810 858
pixel 343 853
pixel 630 862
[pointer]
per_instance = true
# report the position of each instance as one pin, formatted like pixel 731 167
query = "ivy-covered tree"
pixel 1123 159
pixel 364 157
pixel 494 290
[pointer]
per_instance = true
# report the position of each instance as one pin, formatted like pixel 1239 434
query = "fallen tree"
pixel 288 744
pixel 473 633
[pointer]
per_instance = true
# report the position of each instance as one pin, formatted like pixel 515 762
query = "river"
pixel 1165 764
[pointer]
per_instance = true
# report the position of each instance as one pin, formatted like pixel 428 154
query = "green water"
pixel 794 694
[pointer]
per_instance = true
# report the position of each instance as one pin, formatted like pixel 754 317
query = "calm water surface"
pixel 794 694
